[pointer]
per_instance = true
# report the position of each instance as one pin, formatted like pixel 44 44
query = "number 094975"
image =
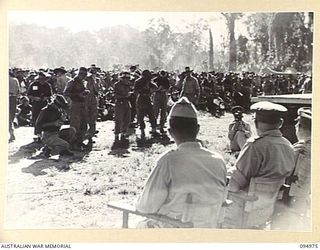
pixel 308 246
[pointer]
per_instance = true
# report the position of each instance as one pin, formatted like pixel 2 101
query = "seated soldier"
pixel 50 120
pixel 269 155
pixel 239 130
pixel 293 210
pixel 24 112
pixel 187 183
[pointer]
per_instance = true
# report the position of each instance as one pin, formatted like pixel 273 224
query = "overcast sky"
pixel 95 20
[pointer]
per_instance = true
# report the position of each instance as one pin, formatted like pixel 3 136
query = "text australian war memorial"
pixel 200 122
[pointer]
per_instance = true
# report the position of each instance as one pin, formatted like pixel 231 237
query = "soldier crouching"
pixel 49 121
pixel 122 107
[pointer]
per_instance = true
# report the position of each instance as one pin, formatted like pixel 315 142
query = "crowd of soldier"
pixel 142 93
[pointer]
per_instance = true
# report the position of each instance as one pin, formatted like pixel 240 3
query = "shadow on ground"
pixel 62 163
pixel 25 151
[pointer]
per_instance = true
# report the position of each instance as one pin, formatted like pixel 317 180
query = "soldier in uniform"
pixel 92 102
pixel 293 210
pixel 239 130
pixel 143 87
pixel 135 75
pixel 39 92
pixel 269 155
pixel 14 91
pixel 49 121
pixel 122 106
pixel 24 112
pixel 61 80
pixel 160 98
pixel 190 87
pixel 187 183
pixel 77 92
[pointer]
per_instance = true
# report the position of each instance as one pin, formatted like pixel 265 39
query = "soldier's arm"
pixel 231 131
pixel 137 86
pixel 155 191
pixel 247 166
pixel 197 87
pixel 39 122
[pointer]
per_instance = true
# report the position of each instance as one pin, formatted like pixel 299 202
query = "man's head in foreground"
pixel 268 116
pixel 183 121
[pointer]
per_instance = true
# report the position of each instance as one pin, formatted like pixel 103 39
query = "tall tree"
pixel 231 19
pixel 158 37
pixel 210 50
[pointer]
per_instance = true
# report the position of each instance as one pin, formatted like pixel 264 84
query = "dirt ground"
pixel 73 192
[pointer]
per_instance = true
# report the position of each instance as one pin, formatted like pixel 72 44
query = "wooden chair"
pixel 254 207
pixel 175 223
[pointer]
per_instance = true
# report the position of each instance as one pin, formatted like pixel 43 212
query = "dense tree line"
pixel 276 40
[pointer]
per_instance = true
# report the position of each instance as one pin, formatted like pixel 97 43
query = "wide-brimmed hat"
pixel 61 69
pixel 125 74
pixel 93 68
pixel 147 74
pixel 43 73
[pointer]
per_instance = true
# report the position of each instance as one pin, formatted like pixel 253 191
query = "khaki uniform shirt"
pixel 187 184
pixel 61 83
pixel 14 89
pixel 302 187
pixel 270 156
pixel 190 85
pixel 121 90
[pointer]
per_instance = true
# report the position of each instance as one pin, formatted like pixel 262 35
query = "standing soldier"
pixel 39 92
pixel 143 88
pixel 190 87
pixel 122 107
pixel 135 75
pixel 160 98
pixel 92 102
pixel 14 91
pixel 61 80
pixel 77 92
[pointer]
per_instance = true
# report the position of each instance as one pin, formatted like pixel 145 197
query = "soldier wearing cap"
pixel 92 101
pixel 49 121
pixel 143 87
pixel 269 154
pixel 239 130
pixel 78 92
pixel 122 106
pixel 61 80
pixel 190 87
pixel 39 92
pixel 298 198
pixel 188 182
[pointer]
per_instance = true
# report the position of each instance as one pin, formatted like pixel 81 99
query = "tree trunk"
pixel 210 51
pixel 232 45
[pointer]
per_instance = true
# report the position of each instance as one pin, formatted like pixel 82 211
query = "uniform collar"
pixel 190 144
pixel 273 132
